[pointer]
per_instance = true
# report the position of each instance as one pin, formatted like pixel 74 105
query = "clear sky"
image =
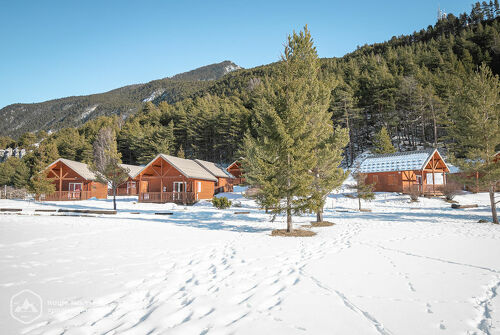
pixel 52 49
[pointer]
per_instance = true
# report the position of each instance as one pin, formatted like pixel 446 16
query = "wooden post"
pixel 161 180
pixel 184 190
pixel 477 182
pixel 140 183
pixel 60 183
pixel 433 182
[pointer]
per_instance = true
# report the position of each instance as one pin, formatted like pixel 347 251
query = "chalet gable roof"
pixel 399 161
pixel 233 163
pixel 187 167
pixel 214 169
pixel 133 170
pixel 81 169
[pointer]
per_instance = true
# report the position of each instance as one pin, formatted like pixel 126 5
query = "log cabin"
pixel 471 179
pixel 423 170
pixel 236 170
pixel 173 179
pixel 130 187
pixel 73 181
pixel 225 180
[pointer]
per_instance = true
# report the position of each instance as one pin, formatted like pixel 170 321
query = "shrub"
pixel 451 189
pixel 251 192
pixel 221 203
pixel 414 192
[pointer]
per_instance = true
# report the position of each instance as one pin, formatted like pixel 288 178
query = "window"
pixel 199 186
pixel 438 179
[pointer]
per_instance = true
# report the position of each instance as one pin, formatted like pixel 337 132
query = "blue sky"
pixel 52 49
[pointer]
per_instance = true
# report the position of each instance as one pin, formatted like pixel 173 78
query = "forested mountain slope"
pixel 74 111
pixel 404 84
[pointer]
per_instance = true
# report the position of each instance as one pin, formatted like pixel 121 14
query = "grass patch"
pixel 293 233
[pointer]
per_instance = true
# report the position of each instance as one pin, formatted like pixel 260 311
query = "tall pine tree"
pixel 278 152
pixel 476 130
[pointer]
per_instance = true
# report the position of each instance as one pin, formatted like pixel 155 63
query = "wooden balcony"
pixel 164 197
pixel 432 189
pixel 123 191
pixel 65 196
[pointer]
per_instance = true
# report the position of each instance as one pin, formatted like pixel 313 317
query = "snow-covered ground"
pixel 419 268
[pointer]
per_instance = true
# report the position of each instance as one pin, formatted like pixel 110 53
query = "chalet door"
pixel 419 182
pixel 75 190
pixel 179 189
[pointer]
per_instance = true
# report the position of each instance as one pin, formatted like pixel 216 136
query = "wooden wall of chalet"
pixel 386 181
pixel 224 185
pixel 62 176
pixel 123 189
pixel 403 181
pixel 236 170
pixel 160 175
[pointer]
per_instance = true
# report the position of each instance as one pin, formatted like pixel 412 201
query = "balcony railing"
pixel 432 189
pixel 164 197
pixel 65 196
pixel 123 191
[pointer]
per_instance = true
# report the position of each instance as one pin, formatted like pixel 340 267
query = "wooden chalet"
pixel 424 170
pixel 224 179
pixel 131 186
pixel 73 181
pixel 236 170
pixel 173 179
pixel 475 176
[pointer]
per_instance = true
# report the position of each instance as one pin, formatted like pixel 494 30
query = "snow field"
pixel 405 268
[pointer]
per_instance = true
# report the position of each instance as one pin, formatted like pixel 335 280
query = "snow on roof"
pixel 188 167
pixel 81 169
pixel 399 161
pixel 214 169
pixel 133 170
pixel 453 168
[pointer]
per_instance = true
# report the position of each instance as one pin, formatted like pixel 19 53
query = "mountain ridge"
pixel 55 114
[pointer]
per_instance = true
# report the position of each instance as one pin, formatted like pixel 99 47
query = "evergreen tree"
pixel 107 160
pixel 382 142
pixel 180 152
pixel 22 174
pixel 363 190
pixel 6 142
pixel 345 110
pixel 327 173
pixel 27 141
pixel 14 172
pixel 40 182
pixel 278 153
pixel 476 130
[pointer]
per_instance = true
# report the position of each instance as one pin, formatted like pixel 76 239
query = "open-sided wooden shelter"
pixel 225 180
pixel 173 179
pixel 236 170
pixel 424 170
pixel 473 177
pixel 73 181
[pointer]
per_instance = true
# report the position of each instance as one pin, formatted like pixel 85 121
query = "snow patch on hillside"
pixel 231 68
pixel 87 111
pixel 153 95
